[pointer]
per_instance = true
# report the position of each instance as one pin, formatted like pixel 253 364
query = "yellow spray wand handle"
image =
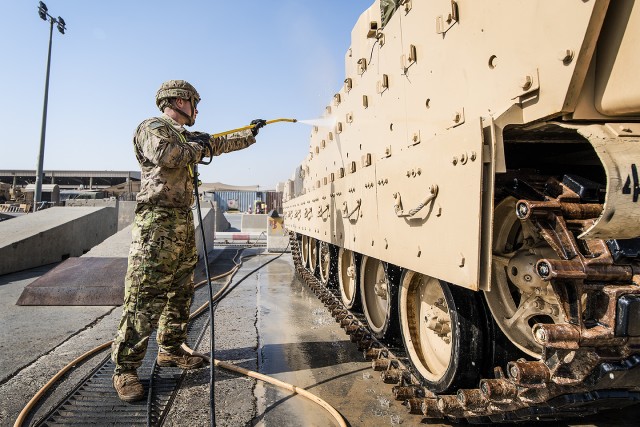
pixel 216 135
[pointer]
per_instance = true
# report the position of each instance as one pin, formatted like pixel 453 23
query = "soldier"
pixel 162 258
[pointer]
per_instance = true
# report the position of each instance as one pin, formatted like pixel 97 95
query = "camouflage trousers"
pixel 158 285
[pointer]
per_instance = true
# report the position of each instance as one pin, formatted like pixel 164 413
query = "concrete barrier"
pixel 253 223
pixel 126 210
pixel 277 236
pixel 97 277
pixel 126 214
pixel 222 224
pixel 52 235
pixel 118 244
pixel 208 221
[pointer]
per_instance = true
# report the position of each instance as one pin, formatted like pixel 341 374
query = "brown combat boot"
pixel 179 358
pixel 128 386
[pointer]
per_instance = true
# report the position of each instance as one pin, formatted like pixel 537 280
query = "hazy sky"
pixel 247 58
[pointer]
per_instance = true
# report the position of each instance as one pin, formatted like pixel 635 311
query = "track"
pixel 496 400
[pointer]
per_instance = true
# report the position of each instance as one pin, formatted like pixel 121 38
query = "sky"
pixel 248 59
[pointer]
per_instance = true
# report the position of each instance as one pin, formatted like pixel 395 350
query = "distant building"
pixel 241 198
pixel 125 184
pixel 126 181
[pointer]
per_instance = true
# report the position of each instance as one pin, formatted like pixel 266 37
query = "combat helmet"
pixel 177 89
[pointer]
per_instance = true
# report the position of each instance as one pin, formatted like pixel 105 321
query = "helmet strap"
pixel 190 118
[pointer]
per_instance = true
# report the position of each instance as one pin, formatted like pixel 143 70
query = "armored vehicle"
pixel 475 198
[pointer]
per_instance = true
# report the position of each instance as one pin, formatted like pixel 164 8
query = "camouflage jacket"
pixel 164 152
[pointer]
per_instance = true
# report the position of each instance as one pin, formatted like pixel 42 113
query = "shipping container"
pixel 274 201
pixel 243 199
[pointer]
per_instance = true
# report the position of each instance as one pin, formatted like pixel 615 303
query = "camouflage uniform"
pixel 159 281
pixel 387 8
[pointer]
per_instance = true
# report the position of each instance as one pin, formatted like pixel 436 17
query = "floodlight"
pixel 61 25
pixel 42 11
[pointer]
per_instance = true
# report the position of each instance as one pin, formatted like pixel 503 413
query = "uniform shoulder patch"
pixel 155 127
pixel 155 124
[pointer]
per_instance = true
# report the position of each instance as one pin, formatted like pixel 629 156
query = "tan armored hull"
pixel 484 146
pixel 423 120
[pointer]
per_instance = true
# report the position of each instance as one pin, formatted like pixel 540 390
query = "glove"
pixel 258 123
pixel 204 139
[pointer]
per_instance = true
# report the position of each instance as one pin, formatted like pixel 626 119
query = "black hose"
pixel 214 304
pixel 212 400
pixel 228 290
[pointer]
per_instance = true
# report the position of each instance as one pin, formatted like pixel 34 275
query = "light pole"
pixel 44 14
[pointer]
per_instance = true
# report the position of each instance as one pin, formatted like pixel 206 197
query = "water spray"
pixel 327 122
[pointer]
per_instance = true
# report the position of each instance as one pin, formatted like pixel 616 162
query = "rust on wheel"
pixel 519 298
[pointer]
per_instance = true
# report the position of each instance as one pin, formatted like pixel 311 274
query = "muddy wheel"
pixel 313 255
pixel 325 260
pixel 347 278
pixel 441 327
pixel 379 297
pixel 304 251
pixel 519 298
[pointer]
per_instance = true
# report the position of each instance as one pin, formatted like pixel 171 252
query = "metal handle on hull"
pixel 345 211
pixel 322 211
pixel 400 213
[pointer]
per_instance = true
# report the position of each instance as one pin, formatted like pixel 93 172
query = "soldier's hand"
pixel 257 124
pixel 204 139
pixel 199 137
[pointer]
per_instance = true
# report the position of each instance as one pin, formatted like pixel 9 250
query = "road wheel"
pixel 379 297
pixel 313 255
pixel 326 261
pixel 442 330
pixel 304 251
pixel 347 278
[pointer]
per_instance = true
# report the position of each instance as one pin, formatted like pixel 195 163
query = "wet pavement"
pixel 271 323
pixel 300 343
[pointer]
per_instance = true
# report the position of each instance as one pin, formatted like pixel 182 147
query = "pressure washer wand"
pixel 216 135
